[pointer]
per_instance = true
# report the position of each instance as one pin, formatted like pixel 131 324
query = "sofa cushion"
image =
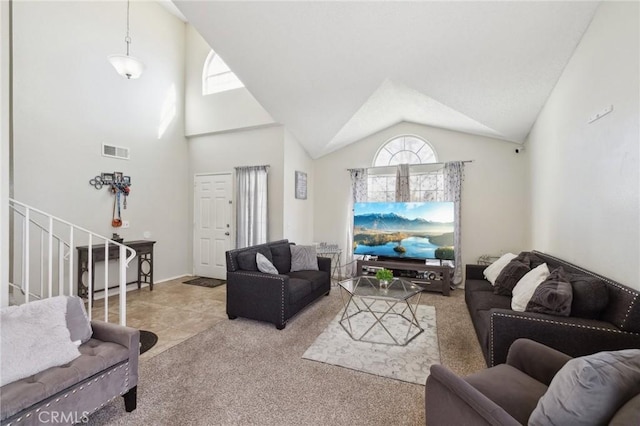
pixel 317 278
pixel 485 301
pixel 590 389
pixel 264 265
pixel 34 337
pixel 516 392
pixel 95 357
pixel 247 259
pixel 509 277
pixel 492 271
pixel 590 296
pixel 471 286
pixel 553 296
pixel 525 288
pixel 281 254
pixel 303 258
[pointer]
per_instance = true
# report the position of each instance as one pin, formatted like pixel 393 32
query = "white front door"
pixel 212 225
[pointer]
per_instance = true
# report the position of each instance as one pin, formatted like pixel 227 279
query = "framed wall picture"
pixel 301 185
pixel 117 177
pixel 126 180
pixel 107 178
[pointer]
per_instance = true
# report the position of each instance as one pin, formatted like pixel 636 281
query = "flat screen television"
pixel 398 230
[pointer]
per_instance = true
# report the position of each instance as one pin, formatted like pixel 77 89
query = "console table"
pixel 439 277
pixel 144 253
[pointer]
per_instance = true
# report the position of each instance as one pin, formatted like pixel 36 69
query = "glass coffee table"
pixel 376 314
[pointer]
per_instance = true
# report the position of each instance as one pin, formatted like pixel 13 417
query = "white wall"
pixel 5 118
pixel 495 214
pixel 233 109
pixel 222 152
pixel 69 100
pixel 298 214
pixel 584 177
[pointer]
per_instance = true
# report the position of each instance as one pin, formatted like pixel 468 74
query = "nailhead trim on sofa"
pixel 82 387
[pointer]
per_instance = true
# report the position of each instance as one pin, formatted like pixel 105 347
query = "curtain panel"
pixel 359 182
pixel 403 191
pixel 453 178
pixel 252 206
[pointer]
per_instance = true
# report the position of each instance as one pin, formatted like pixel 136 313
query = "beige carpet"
pixel 245 372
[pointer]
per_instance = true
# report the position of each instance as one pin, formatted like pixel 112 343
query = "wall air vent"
pixel 115 151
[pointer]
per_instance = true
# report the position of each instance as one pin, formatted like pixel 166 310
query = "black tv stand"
pixel 441 274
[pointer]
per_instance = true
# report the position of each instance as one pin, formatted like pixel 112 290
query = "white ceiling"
pixel 335 72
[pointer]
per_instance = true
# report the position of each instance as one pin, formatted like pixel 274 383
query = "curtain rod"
pixel 421 164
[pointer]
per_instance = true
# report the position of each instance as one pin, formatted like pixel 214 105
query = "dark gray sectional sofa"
pixel 270 297
pixel 616 326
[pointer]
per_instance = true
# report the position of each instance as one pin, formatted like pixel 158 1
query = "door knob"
pixel 226 233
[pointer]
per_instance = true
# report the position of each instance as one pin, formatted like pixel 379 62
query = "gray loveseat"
pixel 614 325
pixel 106 369
pixel 273 298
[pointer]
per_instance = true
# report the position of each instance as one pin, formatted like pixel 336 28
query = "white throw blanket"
pixel 34 337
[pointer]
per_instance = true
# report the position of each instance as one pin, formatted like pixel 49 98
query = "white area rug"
pixel 408 363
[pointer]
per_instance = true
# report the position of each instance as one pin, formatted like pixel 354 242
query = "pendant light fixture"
pixel 127 66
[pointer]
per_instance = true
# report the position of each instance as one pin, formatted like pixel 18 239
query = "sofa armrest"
pixel 324 264
pixel 536 360
pixel 474 272
pixel 450 400
pixel 259 296
pixel 570 335
pixel 122 335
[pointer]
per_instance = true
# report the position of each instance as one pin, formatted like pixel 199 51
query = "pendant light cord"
pixel 127 39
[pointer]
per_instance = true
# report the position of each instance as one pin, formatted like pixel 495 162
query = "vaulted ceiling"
pixel 335 72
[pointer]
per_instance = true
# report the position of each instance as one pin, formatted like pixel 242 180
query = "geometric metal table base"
pixel 367 301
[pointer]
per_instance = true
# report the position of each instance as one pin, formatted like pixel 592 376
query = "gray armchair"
pixel 506 394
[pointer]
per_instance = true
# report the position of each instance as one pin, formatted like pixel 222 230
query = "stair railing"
pixel 25 218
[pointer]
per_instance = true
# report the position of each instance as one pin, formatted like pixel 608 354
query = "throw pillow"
pixel 590 389
pixel 303 258
pixel 264 265
pixel 509 277
pixel 530 259
pixel 247 260
pixel 492 271
pixel 282 257
pixel 34 337
pixel 590 296
pixel 78 321
pixel 553 296
pixel 525 288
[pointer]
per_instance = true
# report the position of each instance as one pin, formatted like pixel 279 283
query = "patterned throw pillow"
pixel 525 288
pixel 303 258
pixel 492 271
pixel 509 277
pixel 553 296
pixel 264 265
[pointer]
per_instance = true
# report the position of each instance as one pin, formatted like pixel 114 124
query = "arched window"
pixel 217 77
pixel 405 150
pixel 425 185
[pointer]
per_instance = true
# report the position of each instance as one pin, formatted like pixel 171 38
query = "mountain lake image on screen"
pixel 402 230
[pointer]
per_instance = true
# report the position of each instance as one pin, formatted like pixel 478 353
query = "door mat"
pixel 148 339
pixel 205 282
